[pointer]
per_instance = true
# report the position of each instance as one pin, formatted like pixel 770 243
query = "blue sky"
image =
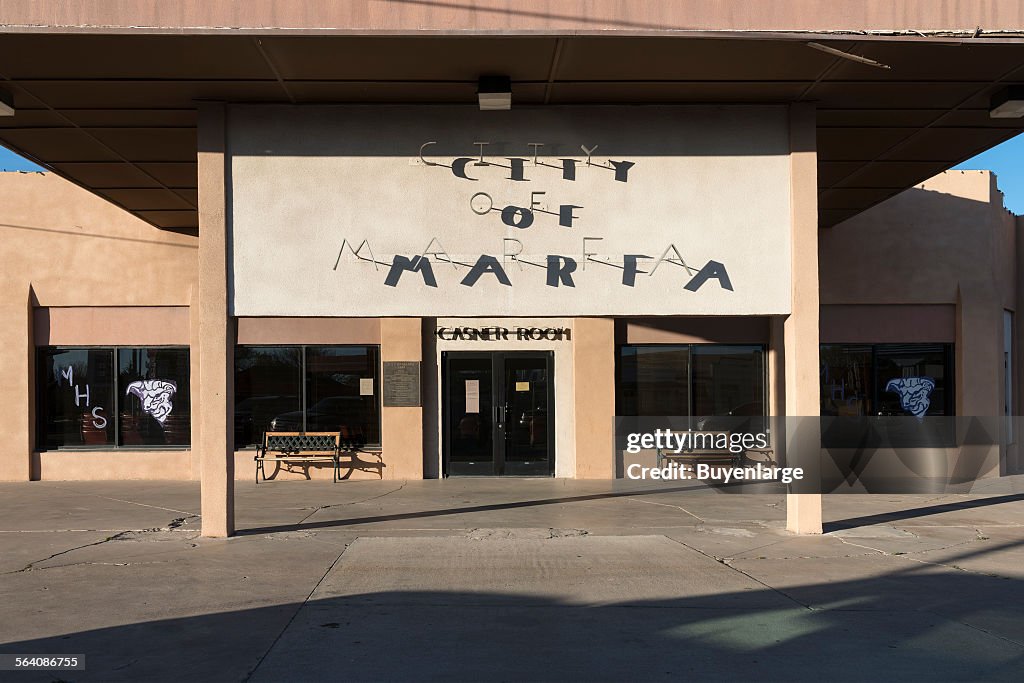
pixel 1007 160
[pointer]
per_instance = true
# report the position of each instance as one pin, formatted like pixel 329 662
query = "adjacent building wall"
pixel 70 256
pixel 936 261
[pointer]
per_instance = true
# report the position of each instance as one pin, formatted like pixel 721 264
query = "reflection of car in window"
pixel 254 413
pixel 345 414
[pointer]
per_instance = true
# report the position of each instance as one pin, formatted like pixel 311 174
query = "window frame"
pixel 949 358
pixel 765 389
pixel 303 374
pixel 115 412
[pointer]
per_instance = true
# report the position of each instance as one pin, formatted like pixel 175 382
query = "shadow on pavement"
pixel 915 623
pixel 925 511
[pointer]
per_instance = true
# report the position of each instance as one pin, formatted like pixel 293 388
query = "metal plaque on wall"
pixel 401 384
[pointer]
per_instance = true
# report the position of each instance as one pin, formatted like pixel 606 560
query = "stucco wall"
pixel 921 245
pixel 63 247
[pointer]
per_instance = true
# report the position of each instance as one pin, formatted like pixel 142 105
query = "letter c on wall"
pixel 459 168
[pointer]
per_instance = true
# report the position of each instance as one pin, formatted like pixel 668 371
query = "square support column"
pixel 402 427
pixel 593 353
pixel 800 328
pixel 213 434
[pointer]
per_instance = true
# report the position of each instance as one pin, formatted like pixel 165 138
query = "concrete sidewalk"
pixel 529 579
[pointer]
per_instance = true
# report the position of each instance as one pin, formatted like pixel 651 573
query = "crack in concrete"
pixel 130 502
pixel 982 630
pixel 726 563
pixel 668 505
pixel 351 502
pixel 57 531
pixel 119 536
pixel 31 566
pixel 298 609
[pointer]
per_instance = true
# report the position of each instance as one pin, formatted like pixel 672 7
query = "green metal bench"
pixel 299 447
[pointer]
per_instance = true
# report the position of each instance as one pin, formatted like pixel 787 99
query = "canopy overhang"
pixel 110 103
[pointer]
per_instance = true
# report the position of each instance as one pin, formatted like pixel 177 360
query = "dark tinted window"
pixel 847 387
pixel 76 397
pixel 728 380
pixel 886 380
pixel 268 385
pixel 307 389
pixel 154 397
pixel 691 380
pixel 341 391
pixel 112 397
pixel 654 380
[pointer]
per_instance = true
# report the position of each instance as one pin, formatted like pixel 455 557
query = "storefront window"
pixel 341 392
pixel 154 397
pixel 307 389
pixel 886 380
pixel 268 385
pixel 699 380
pixel 846 380
pixel 654 380
pixel 79 407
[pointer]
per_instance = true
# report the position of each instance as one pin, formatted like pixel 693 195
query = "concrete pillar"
pixel 195 385
pixel 979 362
pixel 800 329
pixel 593 353
pixel 213 433
pixel 402 427
pixel 17 379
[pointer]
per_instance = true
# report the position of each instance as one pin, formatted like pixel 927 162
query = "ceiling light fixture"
pixel 1008 103
pixel 494 93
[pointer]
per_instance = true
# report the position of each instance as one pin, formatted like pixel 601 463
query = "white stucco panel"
pixel 615 211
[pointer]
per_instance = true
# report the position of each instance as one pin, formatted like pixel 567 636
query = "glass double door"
pixel 498 413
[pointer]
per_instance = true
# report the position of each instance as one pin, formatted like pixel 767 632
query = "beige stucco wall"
pixel 919 246
pixel 65 248
pixel 402 181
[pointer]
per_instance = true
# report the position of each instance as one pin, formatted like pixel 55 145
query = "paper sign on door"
pixel 522 386
pixel 366 386
pixel 472 396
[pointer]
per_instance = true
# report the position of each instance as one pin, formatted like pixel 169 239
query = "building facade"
pixel 328 225
pixel 100 372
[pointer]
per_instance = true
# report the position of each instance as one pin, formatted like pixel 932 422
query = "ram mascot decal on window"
pixel 915 393
pixel 156 395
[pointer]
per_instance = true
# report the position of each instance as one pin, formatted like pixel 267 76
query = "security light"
pixel 494 92
pixel 1008 103
pixel 6 103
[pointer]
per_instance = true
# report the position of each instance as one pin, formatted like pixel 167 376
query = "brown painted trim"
pixel 888 324
pixel 309 331
pixel 110 325
pixel 694 330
